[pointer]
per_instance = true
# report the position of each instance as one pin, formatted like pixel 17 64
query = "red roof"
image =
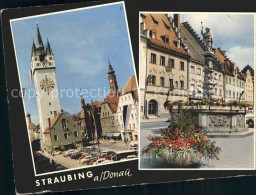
pixel 160 24
pixel 53 121
pixel 230 66
pixel 31 126
pixel 112 101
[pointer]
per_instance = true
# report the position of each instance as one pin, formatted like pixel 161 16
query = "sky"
pixel 82 41
pixel 233 33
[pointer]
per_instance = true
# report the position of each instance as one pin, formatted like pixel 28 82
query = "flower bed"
pixel 181 144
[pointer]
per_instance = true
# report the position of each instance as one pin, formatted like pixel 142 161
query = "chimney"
pixel 177 20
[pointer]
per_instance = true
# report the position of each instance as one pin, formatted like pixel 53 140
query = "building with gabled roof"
pixel 62 133
pixel 128 98
pixel 249 85
pixel 234 81
pixel 163 64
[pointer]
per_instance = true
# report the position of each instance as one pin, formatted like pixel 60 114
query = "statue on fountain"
pixel 207 39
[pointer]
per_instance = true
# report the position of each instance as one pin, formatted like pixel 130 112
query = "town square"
pixel 196 91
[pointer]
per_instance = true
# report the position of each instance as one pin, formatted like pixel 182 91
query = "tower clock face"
pixel 47 84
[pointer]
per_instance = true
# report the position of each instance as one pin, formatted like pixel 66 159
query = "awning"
pixel 116 134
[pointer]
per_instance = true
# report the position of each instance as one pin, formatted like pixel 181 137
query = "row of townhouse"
pixel 115 107
pixel 172 66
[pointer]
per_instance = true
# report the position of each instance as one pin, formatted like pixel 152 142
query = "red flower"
pixel 192 142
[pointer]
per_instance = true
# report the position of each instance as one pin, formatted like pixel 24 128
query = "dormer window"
pixel 165 39
pixel 152 34
pixel 166 26
pixel 154 20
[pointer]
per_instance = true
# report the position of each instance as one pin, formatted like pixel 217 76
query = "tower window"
pixel 50 104
pixel 55 113
pixel 65 135
pixel 75 133
pixel 51 112
pixel 37 64
pixel 55 137
pixel 50 58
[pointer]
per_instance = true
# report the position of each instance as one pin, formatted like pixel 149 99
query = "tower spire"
pixel 40 45
pixel 39 38
pixel 110 68
pixel 48 48
pixel 33 52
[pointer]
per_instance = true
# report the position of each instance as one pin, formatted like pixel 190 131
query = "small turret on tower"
pixel 48 48
pixel 112 79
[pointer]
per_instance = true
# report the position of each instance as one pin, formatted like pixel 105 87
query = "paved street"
pixel 71 163
pixel 237 152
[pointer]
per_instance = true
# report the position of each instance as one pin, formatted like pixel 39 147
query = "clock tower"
pixel 44 72
pixel 112 79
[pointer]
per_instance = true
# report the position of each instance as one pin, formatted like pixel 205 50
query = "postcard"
pixel 197 90
pixel 108 94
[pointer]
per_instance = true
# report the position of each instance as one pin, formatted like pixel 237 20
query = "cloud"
pixel 222 25
pixel 241 56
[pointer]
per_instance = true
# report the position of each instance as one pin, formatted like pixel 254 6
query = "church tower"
pixel 44 72
pixel 112 79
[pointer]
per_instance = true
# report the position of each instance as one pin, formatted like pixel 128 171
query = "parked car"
pixel 109 155
pixel 98 161
pixel 134 143
pixel 83 156
pixel 92 161
pixel 250 119
pixel 76 155
pixel 112 141
pixel 68 152
pixel 86 160
pixel 123 154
